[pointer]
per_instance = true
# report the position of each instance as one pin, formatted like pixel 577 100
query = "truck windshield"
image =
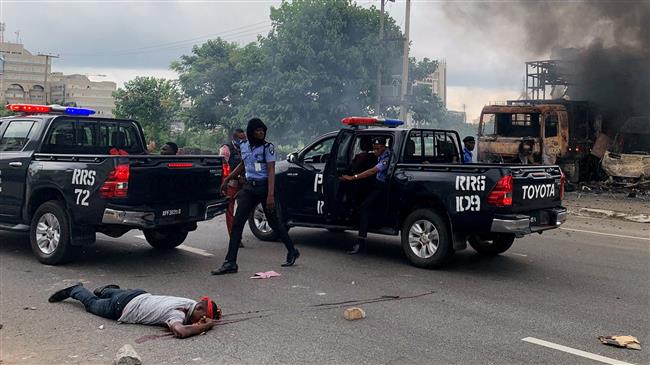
pixel 92 137
pixel 511 124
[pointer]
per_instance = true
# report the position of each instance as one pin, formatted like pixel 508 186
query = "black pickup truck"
pixel 437 203
pixel 65 177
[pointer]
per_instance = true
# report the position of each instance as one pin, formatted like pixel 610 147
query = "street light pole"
pixel 405 64
pixel 379 64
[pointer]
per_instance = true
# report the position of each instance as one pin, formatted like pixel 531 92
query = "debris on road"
pixel 127 356
pixel 629 342
pixel 354 313
pixel 29 308
pixel 265 275
pixel 101 327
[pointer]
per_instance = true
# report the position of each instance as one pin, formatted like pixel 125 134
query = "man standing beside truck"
pixel 232 152
pixel 468 146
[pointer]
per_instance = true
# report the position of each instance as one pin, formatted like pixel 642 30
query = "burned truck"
pixel 628 159
pixel 559 132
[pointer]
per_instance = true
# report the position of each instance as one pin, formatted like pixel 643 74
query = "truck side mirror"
pixel 293 157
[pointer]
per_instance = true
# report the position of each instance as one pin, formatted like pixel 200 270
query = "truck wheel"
pixel 491 245
pixel 426 240
pixel 49 233
pixel 260 226
pixel 165 238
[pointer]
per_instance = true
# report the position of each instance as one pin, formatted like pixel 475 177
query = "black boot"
pixel 291 258
pixel 63 294
pixel 227 268
pixel 357 247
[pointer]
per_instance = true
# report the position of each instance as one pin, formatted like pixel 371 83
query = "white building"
pixel 24 77
pixel 79 91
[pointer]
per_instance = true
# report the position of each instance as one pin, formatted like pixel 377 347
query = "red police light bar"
pixel 29 108
pixel 33 109
pixel 369 121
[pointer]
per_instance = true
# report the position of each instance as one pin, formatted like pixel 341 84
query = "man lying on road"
pixel 184 317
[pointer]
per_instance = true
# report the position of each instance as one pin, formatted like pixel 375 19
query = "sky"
pixel 122 39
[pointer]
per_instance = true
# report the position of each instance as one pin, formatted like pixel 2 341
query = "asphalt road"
pixel 566 286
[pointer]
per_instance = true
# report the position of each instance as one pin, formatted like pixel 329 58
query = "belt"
pixel 257 182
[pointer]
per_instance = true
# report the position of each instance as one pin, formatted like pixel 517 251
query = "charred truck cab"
pixel 538 132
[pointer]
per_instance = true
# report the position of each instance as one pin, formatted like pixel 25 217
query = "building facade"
pixel 437 81
pixel 24 76
pixel 80 91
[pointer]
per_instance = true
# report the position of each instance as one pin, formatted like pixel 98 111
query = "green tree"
pixel 153 102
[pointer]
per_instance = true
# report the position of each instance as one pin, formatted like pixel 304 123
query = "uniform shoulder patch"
pixel 271 148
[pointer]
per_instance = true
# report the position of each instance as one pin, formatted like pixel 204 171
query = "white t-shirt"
pixel 157 310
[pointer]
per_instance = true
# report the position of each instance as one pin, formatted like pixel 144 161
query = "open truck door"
pixel 337 165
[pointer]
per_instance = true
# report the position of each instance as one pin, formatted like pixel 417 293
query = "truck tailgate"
pixel 535 187
pixel 174 179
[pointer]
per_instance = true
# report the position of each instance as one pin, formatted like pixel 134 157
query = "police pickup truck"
pixel 65 175
pixel 434 201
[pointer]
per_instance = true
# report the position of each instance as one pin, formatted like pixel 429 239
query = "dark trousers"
pixel 371 204
pixel 110 305
pixel 247 199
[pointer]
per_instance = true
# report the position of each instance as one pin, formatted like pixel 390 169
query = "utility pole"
pixel 48 56
pixel 405 64
pixel 381 45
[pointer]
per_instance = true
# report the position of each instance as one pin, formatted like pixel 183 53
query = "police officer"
pixel 377 190
pixel 468 147
pixel 258 163
pixel 232 152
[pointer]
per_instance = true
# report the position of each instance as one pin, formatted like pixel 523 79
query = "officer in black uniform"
pixel 377 190
pixel 258 163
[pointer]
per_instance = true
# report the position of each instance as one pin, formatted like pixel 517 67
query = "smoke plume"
pixel 612 61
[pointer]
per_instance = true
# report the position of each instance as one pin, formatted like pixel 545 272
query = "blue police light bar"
pixel 71 110
pixel 79 111
pixel 392 122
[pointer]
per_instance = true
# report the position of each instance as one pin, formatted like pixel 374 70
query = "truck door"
pixel 305 181
pixel 336 166
pixel 552 144
pixel 14 162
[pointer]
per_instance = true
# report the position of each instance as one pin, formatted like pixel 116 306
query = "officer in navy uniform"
pixel 258 164
pixel 377 190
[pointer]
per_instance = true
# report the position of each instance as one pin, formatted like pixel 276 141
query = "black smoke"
pixel 612 63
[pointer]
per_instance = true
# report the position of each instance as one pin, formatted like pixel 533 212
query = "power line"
pixel 238 31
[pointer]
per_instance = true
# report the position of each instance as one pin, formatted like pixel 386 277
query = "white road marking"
pixel 570 350
pixel 606 234
pixel 197 251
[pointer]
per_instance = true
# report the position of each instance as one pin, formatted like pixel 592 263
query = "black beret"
pixel 379 140
pixel 468 139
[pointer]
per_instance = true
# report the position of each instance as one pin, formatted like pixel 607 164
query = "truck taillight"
pixel 501 195
pixel 562 179
pixel 117 183
pixel 226 170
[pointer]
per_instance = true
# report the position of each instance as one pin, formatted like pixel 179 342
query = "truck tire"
pixel 165 238
pixel 426 240
pixel 491 245
pixel 49 233
pixel 260 226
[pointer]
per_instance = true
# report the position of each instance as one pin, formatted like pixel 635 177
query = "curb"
pixel 604 213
